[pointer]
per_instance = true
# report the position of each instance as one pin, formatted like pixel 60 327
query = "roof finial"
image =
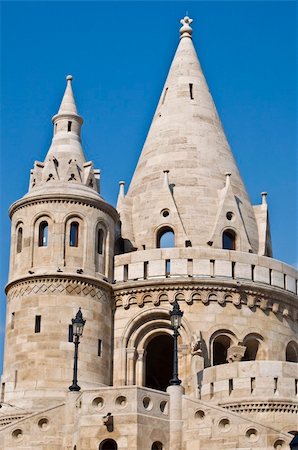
pixel 69 77
pixel 186 30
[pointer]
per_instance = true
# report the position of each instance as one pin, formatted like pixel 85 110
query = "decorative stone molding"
pixel 235 353
pixel 97 203
pixel 261 406
pixel 205 293
pixel 58 285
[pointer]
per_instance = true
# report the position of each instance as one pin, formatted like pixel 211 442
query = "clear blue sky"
pixel 119 54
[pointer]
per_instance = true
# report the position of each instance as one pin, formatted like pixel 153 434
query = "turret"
pixel 62 250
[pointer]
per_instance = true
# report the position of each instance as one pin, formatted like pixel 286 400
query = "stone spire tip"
pixel 69 77
pixel 186 30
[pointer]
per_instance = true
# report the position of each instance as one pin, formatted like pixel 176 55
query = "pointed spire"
pixel 186 137
pixel 68 104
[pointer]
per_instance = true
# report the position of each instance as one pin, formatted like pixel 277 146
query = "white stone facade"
pixel 237 348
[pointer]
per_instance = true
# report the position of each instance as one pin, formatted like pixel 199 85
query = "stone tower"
pixel 62 245
pixel 186 233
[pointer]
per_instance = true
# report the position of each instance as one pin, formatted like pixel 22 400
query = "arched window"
pixel 43 234
pixel 157 446
pixel 108 444
pixel 165 238
pixel 292 352
pixel 229 240
pixel 20 240
pixel 252 347
pixel 100 236
pixel 220 349
pixel 74 234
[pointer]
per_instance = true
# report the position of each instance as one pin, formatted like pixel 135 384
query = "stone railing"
pixel 204 263
pixel 125 400
pixel 251 381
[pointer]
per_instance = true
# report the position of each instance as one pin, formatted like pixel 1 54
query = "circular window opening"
pixel 98 402
pixel 164 407
pixel 224 424
pixel 121 401
pixel 147 403
pixel 252 434
pixel 165 213
pixel 199 414
pixel 229 215
pixel 43 423
pixel 279 444
pixel 17 434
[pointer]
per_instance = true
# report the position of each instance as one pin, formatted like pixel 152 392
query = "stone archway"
pixel 159 362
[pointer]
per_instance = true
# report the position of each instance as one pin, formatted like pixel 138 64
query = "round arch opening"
pixel 159 362
pixel 108 444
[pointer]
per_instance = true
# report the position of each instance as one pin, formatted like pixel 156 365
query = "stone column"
pixel 175 413
pixel 140 368
pixel 131 356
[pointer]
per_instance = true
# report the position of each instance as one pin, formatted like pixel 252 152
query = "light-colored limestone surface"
pixel 237 344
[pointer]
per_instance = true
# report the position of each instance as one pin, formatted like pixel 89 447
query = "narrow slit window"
pixel 100 237
pixel 15 378
pixel 211 390
pixel 145 270
pixel 74 234
pixel 275 384
pixel 20 240
pixel 125 272
pixel 231 386
pixel 168 267
pixel 43 234
pixel 99 347
pixel 233 269
pixel 2 392
pixel 164 96
pixel 69 126
pixel 252 273
pixel 191 91
pixel 70 333
pixel 12 321
pixel 37 324
pixel 252 384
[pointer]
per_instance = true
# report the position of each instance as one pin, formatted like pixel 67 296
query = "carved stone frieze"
pixel 62 286
pixel 255 406
pixel 206 294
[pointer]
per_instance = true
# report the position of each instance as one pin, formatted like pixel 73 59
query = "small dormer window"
pixel 165 238
pixel 69 126
pixel 229 240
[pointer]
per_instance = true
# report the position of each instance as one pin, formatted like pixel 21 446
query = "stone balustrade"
pixel 204 263
pixel 248 381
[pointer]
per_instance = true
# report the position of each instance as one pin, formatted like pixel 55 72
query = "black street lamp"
pixel 176 316
pixel 294 442
pixel 77 331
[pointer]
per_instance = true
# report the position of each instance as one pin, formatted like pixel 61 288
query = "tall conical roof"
pixel 186 138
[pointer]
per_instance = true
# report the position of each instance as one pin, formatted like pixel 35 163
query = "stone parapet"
pixel 201 263
pixel 251 381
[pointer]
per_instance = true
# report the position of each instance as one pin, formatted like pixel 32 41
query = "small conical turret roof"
pixel 186 139
pixel 68 104
pixel 65 169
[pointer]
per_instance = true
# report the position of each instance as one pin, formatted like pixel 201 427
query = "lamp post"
pixel 294 442
pixel 175 316
pixel 77 329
